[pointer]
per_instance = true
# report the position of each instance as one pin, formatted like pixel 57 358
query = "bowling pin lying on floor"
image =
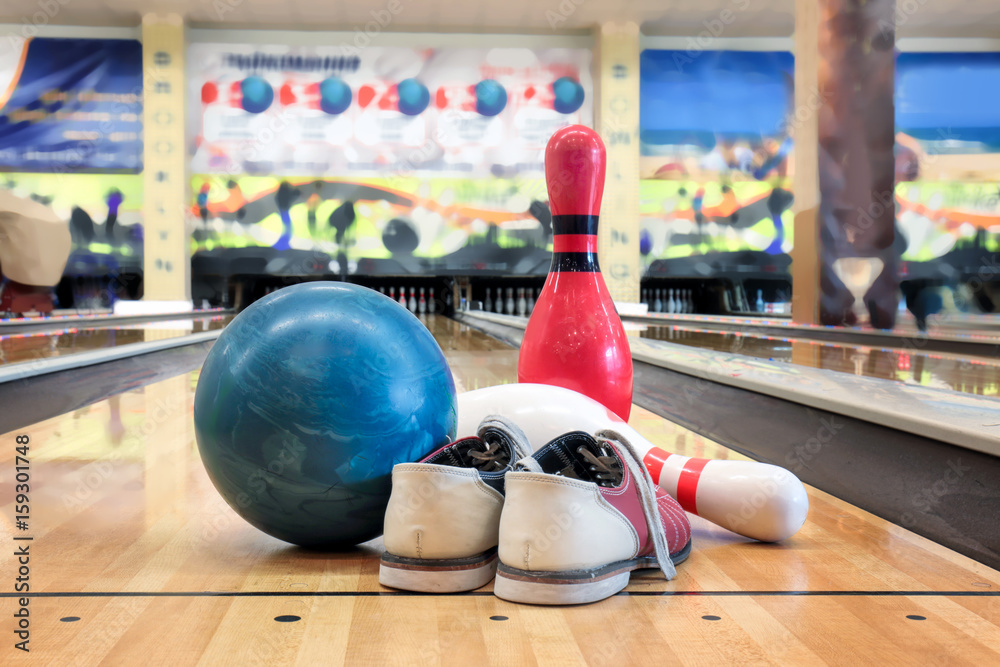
pixel 756 500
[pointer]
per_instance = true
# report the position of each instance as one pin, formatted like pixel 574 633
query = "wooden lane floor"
pixel 967 374
pixel 31 346
pixel 137 559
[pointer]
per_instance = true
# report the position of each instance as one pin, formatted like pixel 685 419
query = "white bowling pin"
pixel 671 304
pixel 522 303
pixel 488 304
pixel 510 301
pixel 657 304
pixel 422 303
pixel 531 301
pixel 402 297
pixel 412 305
pixel 432 304
pixel 757 500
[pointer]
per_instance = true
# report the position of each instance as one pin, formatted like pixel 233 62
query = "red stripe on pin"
pixel 687 484
pixel 574 243
pixel 654 460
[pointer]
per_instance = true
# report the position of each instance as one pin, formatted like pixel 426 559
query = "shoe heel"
pixel 437 576
pixel 553 590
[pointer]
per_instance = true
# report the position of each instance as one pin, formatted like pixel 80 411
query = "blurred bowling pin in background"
pixel 757 500
pixel 574 337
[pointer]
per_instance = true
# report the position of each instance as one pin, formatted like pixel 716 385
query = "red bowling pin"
pixel 574 337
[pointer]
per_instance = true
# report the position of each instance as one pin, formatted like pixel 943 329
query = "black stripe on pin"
pixel 582 262
pixel 574 224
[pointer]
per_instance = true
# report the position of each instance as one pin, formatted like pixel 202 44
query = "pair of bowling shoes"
pixel 565 525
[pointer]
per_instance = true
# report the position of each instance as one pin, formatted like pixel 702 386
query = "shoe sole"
pixel 572 586
pixel 455 575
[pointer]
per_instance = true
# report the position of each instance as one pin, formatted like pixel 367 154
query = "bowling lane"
pixel 131 538
pixel 32 346
pixel 967 374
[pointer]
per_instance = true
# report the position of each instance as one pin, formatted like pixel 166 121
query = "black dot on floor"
pixel 915 617
pixel 69 619
pixel 498 618
pixel 289 618
pixel 712 618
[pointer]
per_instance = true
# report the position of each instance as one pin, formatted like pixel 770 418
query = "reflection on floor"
pixel 43 345
pixel 131 539
pixel 973 375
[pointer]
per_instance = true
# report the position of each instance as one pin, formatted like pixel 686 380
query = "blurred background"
pixel 221 151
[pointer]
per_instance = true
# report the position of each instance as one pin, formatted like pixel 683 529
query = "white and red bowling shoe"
pixel 579 516
pixel 442 521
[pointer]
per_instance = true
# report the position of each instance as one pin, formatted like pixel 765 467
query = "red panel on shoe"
pixel 625 499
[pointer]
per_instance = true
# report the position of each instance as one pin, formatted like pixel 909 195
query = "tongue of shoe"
pixel 579 456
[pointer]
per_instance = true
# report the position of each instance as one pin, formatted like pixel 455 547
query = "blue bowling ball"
pixel 491 98
pixel 257 94
pixel 308 399
pixel 334 95
pixel 568 95
pixel 413 97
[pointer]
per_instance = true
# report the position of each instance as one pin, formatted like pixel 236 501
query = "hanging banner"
pixel 71 105
pixel 381 111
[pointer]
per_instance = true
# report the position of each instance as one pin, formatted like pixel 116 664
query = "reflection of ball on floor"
pixel 308 399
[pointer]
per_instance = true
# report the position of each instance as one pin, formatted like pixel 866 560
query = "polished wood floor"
pixel 135 559
pixel 979 375
pixel 32 346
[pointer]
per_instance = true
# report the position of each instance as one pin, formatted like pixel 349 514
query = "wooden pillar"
pixel 805 179
pixel 617 120
pixel 166 254
pixel 846 48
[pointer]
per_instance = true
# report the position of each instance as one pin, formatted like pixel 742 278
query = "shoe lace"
pixel 605 467
pixel 647 498
pixel 488 460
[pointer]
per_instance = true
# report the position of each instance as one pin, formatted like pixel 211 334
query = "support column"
pixel 805 177
pixel 617 120
pixel 849 45
pixel 166 261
